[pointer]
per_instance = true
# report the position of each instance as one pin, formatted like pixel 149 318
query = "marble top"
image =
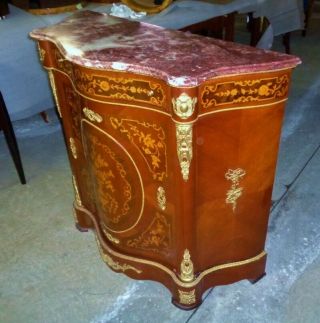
pixel 102 41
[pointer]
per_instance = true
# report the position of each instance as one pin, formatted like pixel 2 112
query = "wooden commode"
pixel 173 142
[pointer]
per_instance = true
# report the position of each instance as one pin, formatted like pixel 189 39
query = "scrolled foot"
pixel 185 307
pixel 255 280
pixel 187 300
pixel 81 229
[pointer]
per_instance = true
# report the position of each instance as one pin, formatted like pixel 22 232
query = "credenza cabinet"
pixel 173 142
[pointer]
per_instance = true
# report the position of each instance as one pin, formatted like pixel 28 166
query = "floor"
pixel 50 272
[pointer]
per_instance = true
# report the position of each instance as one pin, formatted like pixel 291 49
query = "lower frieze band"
pixel 186 291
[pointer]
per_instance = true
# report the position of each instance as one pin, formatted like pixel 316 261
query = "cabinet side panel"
pixel 236 160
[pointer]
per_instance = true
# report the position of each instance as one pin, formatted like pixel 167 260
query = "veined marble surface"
pixel 101 41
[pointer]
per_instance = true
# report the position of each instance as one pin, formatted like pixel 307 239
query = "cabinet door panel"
pixel 120 141
pixel 116 179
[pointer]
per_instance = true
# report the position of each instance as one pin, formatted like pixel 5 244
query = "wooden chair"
pixel 257 26
pixel 6 126
pixel 221 27
pixel 4 9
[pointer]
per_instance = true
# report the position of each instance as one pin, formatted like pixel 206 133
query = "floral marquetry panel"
pixel 150 140
pixel 117 181
pixel 156 238
pixel 173 141
pixel 117 87
pixel 250 90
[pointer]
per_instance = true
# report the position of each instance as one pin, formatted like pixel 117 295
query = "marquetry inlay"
pixel 155 238
pixel 245 91
pixel 149 139
pixel 123 88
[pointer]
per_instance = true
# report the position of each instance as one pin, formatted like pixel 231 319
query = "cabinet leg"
pixel 82 221
pixel 185 307
pixel 81 229
pixel 255 280
pixel 187 299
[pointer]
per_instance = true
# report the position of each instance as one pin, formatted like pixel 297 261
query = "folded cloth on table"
pixel 123 11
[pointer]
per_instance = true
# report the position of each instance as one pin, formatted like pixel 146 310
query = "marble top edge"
pixel 100 41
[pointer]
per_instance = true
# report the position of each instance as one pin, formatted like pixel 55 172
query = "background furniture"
pixel 6 126
pixel 258 27
pixel 221 27
pixel 23 83
pixel 149 6
pixel 4 9
pixel 172 140
pixel 36 4
pixel 307 7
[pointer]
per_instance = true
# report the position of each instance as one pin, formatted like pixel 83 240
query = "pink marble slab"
pixel 101 41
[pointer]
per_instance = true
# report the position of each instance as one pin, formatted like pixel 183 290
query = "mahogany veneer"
pixel 173 142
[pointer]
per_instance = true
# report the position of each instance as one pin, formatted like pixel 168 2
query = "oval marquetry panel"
pixel 117 182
